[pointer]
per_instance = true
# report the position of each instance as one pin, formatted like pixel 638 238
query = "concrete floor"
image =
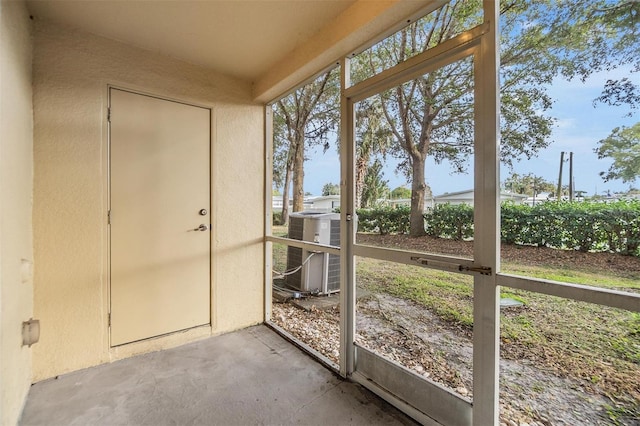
pixel 249 377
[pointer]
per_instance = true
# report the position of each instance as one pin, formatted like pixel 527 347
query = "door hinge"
pixel 109 319
pixel 109 217
pixel 109 114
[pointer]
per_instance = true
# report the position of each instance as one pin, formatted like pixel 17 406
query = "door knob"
pixel 202 227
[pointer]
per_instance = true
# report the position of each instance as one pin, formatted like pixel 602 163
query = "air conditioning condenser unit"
pixel 320 272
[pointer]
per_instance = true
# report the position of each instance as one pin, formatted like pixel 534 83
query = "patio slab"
pixel 249 377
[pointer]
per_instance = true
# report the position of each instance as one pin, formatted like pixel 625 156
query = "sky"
pixel 578 129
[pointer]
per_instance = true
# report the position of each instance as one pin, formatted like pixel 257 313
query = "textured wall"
pixel 16 188
pixel 71 73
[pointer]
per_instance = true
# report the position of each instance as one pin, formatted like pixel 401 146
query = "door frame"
pixel 181 336
pixel 362 365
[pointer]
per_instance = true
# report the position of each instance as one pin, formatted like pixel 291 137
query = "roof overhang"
pixel 275 44
pixel 360 26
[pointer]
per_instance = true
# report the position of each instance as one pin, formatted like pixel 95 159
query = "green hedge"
pixel 384 220
pixel 579 226
pixel 585 226
pixel 453 221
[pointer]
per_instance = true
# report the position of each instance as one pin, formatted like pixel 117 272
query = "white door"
pixel 159 216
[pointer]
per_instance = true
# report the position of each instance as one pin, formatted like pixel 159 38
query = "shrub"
pixel 453 221
pixel 276 218
pixel 384 220
pixel 621 225
pixel 586 226
pixel 513 225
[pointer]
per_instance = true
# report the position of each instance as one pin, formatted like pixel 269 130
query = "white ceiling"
pixel 242 38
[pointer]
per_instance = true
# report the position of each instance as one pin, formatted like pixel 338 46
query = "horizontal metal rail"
pixel 428 260
pixel 583 293
pixel 307 245
pixel 431 398
pixel 444 53
pixel 319 356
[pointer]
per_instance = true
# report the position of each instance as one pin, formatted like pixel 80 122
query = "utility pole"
pixel 571 176
pixel 559 194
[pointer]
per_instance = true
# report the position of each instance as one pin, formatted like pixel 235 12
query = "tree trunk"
pixel 298 175
pixel 285 198
pixel 418 193
pixel 361 172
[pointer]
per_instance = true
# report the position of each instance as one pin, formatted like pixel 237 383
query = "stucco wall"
pixel 71 73
pixel 16 189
